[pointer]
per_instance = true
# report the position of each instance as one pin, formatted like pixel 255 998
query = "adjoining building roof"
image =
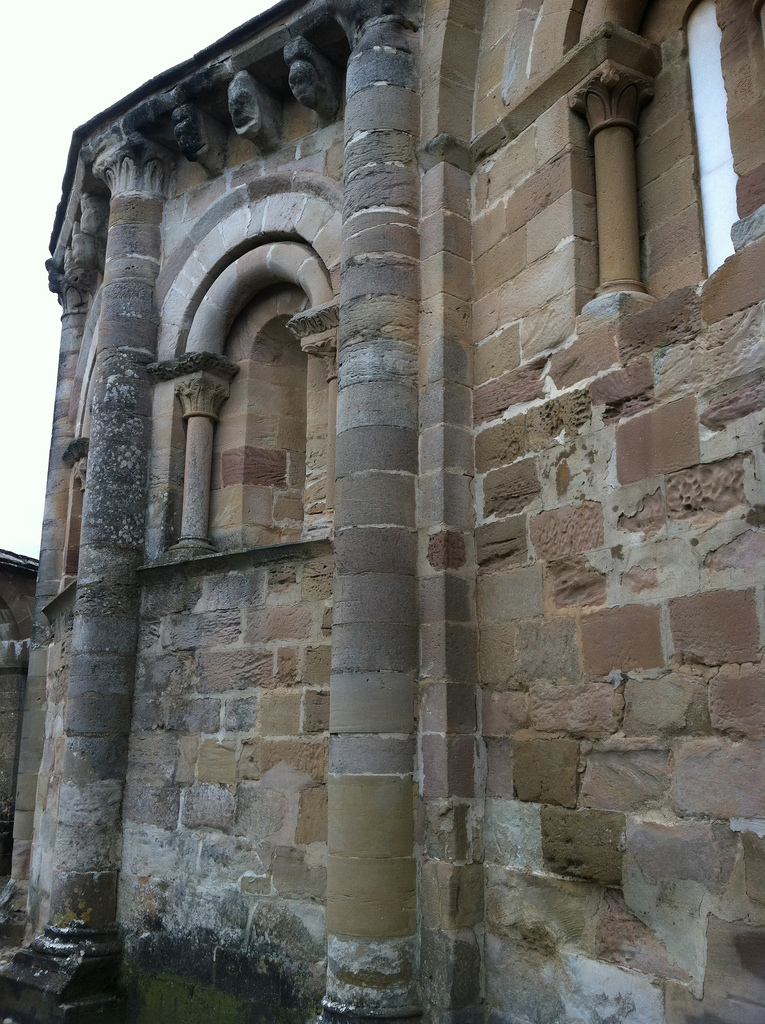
pixel 14 561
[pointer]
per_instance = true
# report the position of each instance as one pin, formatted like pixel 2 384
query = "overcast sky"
pixel 63 63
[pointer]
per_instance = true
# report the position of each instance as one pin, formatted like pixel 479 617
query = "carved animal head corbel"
pixel 255 113
pixel 314 80
pixel 200 138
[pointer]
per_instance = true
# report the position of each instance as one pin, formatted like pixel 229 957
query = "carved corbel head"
pixel 314 80
pixel 75 456
pixel 200 138
pixel 255 113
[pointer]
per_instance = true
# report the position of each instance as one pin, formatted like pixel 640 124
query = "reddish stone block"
pixel 625 780
pixel 449 708
pixel 732 407
pixel 715 628
pixel 504 713
pixel 719 778
pixel 521 385
pixel 737 284
pixel 672 321
pixel 448 765
pixel 235 670
pixel 737 705
pixel 695 850
pixel 591 353
pixel 254 466
pixel 511 488
pixel 582 709
pixel 446 550
pixel 502 543
pixel 305 757
pixel 750 191
pixel 623 939
pixel 708 491
pixel 572 581
pixel 567 531
pixel 649 518
pixel 742 553
pixel 624 638
pixel 660 441
pixel 566 414
pixel 624 392
pixel 637 580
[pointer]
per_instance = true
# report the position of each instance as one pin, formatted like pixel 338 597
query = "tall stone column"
pixel 372 876
pixel 74 280
pixel 83 899
pixel 611 99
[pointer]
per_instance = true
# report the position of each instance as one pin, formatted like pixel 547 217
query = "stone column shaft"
pixel 611 100
pixel 371 873
pixel 97 720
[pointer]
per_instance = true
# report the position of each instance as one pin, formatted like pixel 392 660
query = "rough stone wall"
pixel 619 487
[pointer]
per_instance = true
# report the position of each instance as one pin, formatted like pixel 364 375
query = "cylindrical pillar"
pixel 83 898
pixel 611 100
pixel 201 398
pixel 371 874
pixel 331 364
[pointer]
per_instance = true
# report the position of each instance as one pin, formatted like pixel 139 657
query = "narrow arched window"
pixel 710 102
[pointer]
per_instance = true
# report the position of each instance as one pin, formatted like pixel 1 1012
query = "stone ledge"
pixel 225 561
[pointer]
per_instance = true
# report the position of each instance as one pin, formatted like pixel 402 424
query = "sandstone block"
pixel 624 392
pixel 279 713
pixel 545 770
pixel 499 768
pixel 638 579
pixel 510 594
pixel 547 649
pixel 660 441
pixel 217 762
pixel 316 582
pixel 648 518
pixel 707 491
pixel 591 353
pixel 317 664
pixel 315 711
pixel 715 628
pixel 371 816
pixel 503 714
pixel 312 816
pixel 502 543
pixel 628 780
pixel 452 896
pixel 260 811
pixel 667 707
pixel 754 859
pixel 259 466
pixel 448 765
pixel 291 874
pixel 701 851
pixel 671 321
pixel 736 285
pixel 745 552
pixel 580 708
pixel 625 638
pixel 511 488
pixel 371 896
pixel 568 530
pixel 621 938
pixel 719 778
pixel 586 844
pixel 500 444
pixel 307 758
pixel 446 550
pixel 523 384
pixel 498 354
pixel 448 708
pixel 737 704
pixel 572 581
pixel 235 670
pixel 733 406
pixel 208 807
pixel 566 414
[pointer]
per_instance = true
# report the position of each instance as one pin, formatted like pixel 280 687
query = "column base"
pixel 336 1013
pixel 608 305
pixel 65 977
pixel 191 547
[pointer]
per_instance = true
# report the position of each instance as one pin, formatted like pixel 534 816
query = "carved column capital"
pixel 313 79
pixel 357 17
pixel 201 395
pixel 75 456
pixel 612 97
pixel 316 329
pixel 129 163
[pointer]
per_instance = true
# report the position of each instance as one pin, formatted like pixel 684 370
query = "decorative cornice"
pixel 613 96
pixel 255 112
pixel 201 139
pixel 193 362
pixel 316 329
pixel 75 450
pixel 313 79
pixel 129 163
pixel 201 396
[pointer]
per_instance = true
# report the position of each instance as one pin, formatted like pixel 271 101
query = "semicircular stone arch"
pixel 230 229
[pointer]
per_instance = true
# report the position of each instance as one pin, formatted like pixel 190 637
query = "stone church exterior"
pixel 398 634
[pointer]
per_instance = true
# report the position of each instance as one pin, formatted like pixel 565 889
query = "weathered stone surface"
pixel 733 406
pixel 668 706
pixel 745 552
pixel 705 492
pixel 660 441
pixel 503 713
pixel 501 444
pixel 511 488
pixel 625 638
pixel 510 594
pixel 694 850
pixel 580 708
pixel 446 550
pixel 572 581
pixel 514 388
pixel 719 778
pixel 503 542
pixel 624 392
pixel 625 780
pixel 452 896
pixel 589 355
pixel 672 321
pixel 738 284
pixel 545 769
pixel 586 844
pixel 568 530
pixel 649 518
pixel 715 628
pixel 737 704
pixel 754 859
pixel 564 415
pixel 637 579
pixel 621 938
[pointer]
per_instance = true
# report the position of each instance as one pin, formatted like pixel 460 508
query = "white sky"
pixel 62 64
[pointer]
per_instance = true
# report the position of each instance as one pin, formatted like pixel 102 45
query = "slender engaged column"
pixel 83 898
pixel 611 100
pixel 373 959
pixel 201 398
